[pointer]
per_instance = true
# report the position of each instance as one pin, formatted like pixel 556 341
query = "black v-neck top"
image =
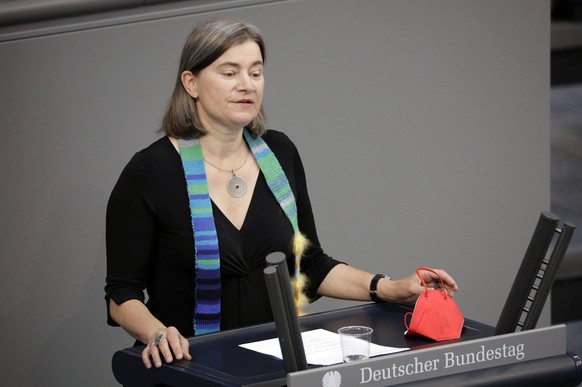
pixel 150 246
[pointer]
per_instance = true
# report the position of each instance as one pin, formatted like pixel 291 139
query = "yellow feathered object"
pixel 299 281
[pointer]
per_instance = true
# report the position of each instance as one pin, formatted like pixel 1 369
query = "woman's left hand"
pixel 408 289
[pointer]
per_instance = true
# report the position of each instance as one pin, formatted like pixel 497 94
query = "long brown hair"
pixel 206 43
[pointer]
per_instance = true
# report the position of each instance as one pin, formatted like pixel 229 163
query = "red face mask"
pixel 435 315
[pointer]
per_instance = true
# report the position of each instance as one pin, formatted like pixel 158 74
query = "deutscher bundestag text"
pixel 447 360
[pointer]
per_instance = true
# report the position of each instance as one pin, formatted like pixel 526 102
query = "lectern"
pixel 217 359
pixel 483 355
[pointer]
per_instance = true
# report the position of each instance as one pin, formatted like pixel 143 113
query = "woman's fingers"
pixel 151 354
pixel 185 344
pixel 178 344
pixel 449 280
pixel 432 280
pixel 145 357
pixel 176 347
pixel 168 345
pixel 166 352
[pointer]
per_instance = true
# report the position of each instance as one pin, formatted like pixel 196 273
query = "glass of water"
pixel 355 342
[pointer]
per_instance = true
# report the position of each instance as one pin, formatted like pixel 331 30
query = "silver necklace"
pixel 236 186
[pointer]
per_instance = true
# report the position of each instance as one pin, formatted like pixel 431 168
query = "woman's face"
pixel 229 92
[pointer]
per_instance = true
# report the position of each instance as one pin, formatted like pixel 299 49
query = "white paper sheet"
pixel 321 347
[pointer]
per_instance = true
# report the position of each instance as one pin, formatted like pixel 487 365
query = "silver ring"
pixel 158 340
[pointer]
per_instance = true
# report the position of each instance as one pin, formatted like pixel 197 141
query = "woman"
pixel 194 215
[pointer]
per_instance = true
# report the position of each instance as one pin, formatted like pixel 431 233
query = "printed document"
pixel 321 347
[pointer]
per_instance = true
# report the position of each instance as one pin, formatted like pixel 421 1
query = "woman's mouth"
pixel 244 102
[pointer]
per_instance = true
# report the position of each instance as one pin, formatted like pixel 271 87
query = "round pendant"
pixel 236 187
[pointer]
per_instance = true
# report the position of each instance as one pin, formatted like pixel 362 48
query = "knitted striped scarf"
pixel 206 252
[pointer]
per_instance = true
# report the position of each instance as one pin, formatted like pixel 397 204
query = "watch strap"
pixel 374 287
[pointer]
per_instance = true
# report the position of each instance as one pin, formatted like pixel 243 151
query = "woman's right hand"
pixel 167 343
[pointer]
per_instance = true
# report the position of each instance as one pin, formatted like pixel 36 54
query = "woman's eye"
pixel 229 74
pixel 257 75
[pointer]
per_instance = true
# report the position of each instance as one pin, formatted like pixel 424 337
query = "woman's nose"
pixel 246 83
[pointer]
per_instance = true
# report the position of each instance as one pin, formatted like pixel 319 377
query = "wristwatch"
pixel 374 287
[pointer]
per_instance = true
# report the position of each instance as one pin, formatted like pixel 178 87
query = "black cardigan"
pixel 150 244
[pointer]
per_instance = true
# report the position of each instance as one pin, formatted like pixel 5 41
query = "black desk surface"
pixel 217 358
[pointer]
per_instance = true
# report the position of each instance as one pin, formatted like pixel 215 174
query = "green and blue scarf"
pixel 206 253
